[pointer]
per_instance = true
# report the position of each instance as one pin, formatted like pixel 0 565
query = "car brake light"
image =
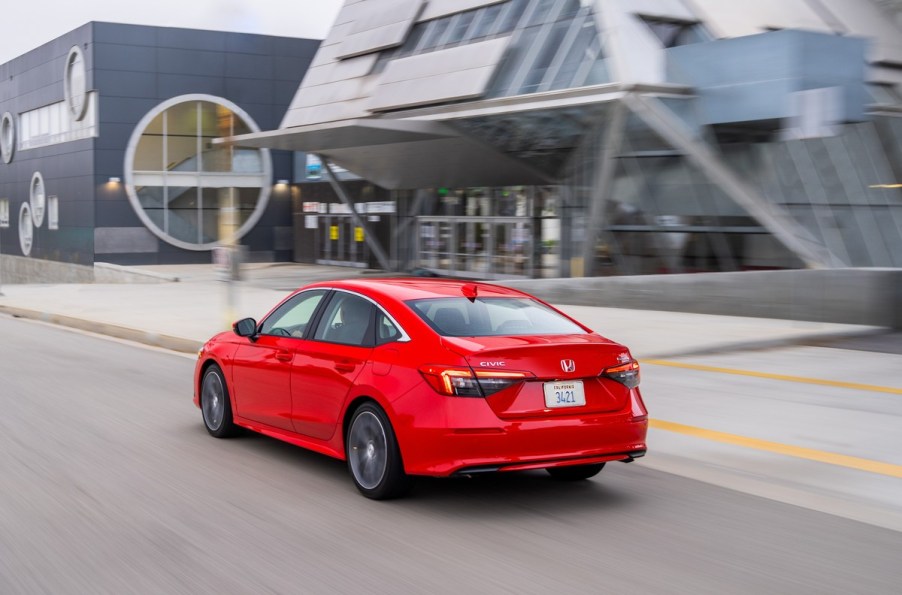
pixel 463 382
pixel 626 374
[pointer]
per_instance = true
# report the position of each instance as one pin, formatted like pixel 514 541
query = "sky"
pixel 40 21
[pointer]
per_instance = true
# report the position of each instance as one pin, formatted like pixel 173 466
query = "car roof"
pixel 414 288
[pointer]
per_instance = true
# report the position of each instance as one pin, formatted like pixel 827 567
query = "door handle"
pixel 345 366
pixel 283 356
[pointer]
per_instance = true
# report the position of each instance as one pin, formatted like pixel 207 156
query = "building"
pixel 586 137
pixel 106 156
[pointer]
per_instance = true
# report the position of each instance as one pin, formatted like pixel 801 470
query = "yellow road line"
pixel 785 377
pixel 782 449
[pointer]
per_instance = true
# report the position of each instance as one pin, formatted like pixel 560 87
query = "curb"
pixel 182 345
pixel 127 274
pixel 813 339
pixel 169 342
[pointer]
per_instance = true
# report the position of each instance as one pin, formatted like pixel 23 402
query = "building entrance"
pixel 340 242
pixel 489 233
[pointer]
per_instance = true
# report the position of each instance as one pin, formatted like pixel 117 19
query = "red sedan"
pixel 406 377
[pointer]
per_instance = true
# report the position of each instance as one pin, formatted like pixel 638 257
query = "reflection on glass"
pixel 178 141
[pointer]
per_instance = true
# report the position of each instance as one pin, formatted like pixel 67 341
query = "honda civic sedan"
pixel 410 377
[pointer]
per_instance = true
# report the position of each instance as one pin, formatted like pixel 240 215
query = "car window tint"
pixel 291 318
pixel 386 331
pixel 347 319
pixel 483 317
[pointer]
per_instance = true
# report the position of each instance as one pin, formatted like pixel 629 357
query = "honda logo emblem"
pixel 568 365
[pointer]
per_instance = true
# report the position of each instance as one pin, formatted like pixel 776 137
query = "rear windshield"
pixel 495 316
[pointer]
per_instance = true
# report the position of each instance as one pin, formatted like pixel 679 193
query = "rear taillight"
pixel 463 382
pixel 638 412
pixel 626 374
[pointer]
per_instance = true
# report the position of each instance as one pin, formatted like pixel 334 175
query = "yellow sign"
pixel 358 234
pixel 333 232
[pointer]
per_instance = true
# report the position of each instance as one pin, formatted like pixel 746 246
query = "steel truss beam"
pixel 777 221
pixel 359 221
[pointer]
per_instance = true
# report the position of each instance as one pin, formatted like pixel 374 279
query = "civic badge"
pixel 568 365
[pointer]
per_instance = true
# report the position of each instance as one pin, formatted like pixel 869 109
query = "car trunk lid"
pixel 566 364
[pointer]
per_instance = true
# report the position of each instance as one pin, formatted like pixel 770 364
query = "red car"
pixel 406 377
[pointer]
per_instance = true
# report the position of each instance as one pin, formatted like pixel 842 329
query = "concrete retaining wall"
pixel 851 296
pixel 18 269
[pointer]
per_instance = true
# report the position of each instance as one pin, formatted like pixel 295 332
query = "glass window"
pixel 176 159
pixel 672 33
pixel 53 212
pixel 575 57
pixel 511 16
pixel 386 331
pixel 348 319
pixel 459 28
pixel 540 67
pixel 496 316
pixel 434 34
pixel 485 21
pixel 412 41
pixel 291 318
pixel 540 12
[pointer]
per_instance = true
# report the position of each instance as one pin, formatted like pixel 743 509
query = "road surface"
pixel 110 484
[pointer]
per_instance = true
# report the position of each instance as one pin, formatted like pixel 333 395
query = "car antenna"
pixel 469 290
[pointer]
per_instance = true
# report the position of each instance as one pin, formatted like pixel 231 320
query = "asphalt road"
pixel 109 484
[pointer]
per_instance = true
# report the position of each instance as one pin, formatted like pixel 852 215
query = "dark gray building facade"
pixel 105 138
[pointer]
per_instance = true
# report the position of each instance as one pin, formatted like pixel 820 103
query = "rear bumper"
pixel 462 436
pixel 625 457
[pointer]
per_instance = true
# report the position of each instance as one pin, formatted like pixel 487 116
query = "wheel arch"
pixel 206 365
pixel 357 401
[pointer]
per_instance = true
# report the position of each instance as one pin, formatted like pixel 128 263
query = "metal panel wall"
pixel 440 8
pixel 446 75
pixel 384 24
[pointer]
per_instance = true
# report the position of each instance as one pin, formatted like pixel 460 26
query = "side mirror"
pixel 246 327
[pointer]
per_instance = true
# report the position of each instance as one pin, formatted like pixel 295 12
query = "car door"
pixel 325 372
pixel 261 370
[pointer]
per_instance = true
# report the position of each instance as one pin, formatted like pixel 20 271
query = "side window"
pixel 347 319
pixel 386 331
pixel 291 318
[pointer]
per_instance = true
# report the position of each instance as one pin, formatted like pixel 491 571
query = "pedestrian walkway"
pixel 192 305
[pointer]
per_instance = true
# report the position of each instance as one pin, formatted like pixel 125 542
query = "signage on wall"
pixel 358 234
pixel 4 212
pixel 314 167
pixel 333 232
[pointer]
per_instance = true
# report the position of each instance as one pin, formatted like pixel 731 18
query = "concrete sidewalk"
pixel 182 315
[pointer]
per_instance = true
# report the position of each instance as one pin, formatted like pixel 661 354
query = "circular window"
pixel 26 229
pixel 7 137
pixel 184 188
pixel 75 83
pixel 37 198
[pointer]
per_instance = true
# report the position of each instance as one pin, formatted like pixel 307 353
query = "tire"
pixel 575 472
pixel 215 405
pixel 374 459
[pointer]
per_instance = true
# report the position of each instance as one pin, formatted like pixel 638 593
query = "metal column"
pixel 368 236
pixel 601 186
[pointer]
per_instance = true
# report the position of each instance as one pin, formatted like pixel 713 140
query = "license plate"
pixel 564 394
